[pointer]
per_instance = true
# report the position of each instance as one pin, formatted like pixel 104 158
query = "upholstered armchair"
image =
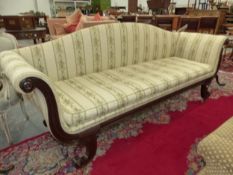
pixel 8 96
pixel 217 151
pixel 56 25
pixel 7 41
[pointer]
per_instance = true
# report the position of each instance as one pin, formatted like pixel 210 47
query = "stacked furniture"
pixel 197 22
pixel 25 27
pixel 90 78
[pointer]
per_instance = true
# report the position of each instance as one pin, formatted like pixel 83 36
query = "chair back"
pixel 7 41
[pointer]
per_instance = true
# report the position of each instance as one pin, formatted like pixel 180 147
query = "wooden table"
pixel 35 34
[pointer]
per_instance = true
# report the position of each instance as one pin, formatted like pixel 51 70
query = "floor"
pixel 20 128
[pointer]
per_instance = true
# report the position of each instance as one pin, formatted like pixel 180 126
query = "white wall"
pixel 120 3
pixel 14 7
pixel 44 6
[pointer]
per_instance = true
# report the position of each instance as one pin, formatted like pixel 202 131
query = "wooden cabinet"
pixel 35 34
pixel 1 22
pixel 22 22
pixel 19 22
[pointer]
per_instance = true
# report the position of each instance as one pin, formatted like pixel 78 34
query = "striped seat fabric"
pixel 94 98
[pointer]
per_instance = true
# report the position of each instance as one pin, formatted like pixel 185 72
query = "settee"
pixel 56 25
pixel 90 78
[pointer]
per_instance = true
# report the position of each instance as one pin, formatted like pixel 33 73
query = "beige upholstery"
pixel 217 151
pixel 100 72
pixel 7 41
pixel 51 26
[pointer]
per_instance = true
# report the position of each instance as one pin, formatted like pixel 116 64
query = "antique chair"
pixel 7 41
pixel 8 95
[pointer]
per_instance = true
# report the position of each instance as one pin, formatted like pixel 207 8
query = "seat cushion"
pixel 93 98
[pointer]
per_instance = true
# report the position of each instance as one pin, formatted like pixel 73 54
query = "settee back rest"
pixel 99 48
pixel 203 48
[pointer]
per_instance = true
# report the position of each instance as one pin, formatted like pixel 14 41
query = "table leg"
pixel 3 119
pixel 34 40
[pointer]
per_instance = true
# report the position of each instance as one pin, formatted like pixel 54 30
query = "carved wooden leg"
pixel 5 169
pixel 217 80
pixel 204 90
pixel 45 124
pixel 91 146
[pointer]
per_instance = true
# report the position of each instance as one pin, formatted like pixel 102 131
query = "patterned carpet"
pixel 227 63
pixel 43 155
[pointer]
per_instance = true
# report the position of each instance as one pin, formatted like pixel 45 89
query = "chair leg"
pixel 22 105
pixel 218 82
pixel 3 119
pixel 90 144
pixel 204 90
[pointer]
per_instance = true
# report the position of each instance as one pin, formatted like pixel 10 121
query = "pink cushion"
pixel 59 29
pixel 69 28
pixel 75 17
pixel 81 22
pixel 97 17
pixel 90 18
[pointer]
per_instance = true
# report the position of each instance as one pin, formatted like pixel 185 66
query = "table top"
pixel 38 29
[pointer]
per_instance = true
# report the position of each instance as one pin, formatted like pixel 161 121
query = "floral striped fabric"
pixel 17 69
pixel 203 48
pixel 103 71
pixel 217 151
pixel 99 48
pixel 97 97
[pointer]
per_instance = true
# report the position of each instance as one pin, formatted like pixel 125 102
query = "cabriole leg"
pixel 90 144
pixel 204 90
pixel 218 82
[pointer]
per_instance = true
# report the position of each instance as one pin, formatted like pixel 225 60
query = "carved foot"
pixel 23 108
pixel 217 80
pixel 204 91
pixel 5 169
pixel 44 123
pixel 91 146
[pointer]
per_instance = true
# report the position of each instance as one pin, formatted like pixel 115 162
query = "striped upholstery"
pixel 99 48
pixel 97 97
pixel 203 48
pixel 217 151
pixel 103 71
